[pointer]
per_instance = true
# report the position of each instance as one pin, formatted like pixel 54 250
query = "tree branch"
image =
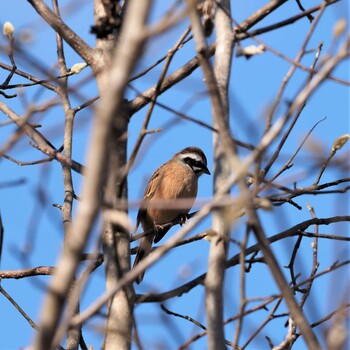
pixel 72 39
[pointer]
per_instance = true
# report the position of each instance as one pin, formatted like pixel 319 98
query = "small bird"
pixel 174 180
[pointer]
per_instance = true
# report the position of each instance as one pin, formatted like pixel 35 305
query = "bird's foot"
pixel 183 219
pixel 158 229
pixel 159 232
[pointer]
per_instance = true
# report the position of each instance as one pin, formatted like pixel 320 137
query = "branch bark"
pixel 148 95
pixel 115 239
pixel 40 141
pixel 112 83
pixel 217 87
pixel 72 39
pixel 73 334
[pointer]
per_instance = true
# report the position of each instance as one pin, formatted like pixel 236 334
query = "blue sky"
pixel 37 229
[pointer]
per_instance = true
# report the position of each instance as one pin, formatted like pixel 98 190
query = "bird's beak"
pixel 205 170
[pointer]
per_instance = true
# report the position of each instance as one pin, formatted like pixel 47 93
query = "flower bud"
pixel 250 50
pixel 340 142
pixel 339 27
pixel 8 29
pixel 78 67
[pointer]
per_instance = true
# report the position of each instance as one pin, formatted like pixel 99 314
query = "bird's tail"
pixel 144 249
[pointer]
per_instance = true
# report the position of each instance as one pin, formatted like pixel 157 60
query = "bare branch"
pixel 41 142
pixel 20 310
pixel 31 272
pixel 293 231
pixel 126 55
pixel 72 39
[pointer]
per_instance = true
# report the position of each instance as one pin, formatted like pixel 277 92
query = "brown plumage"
pixel 174 180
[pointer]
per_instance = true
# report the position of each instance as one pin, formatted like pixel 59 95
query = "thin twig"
pixel 19 309
pixel 233 261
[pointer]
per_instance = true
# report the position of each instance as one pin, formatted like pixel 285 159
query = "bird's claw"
pixel 158 229
pixel 183 219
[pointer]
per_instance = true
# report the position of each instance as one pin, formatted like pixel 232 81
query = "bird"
pixel 174 180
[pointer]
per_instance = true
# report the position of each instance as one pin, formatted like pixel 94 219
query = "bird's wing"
pixel 153 184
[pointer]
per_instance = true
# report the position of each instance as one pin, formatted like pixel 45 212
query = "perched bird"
pixel 177 179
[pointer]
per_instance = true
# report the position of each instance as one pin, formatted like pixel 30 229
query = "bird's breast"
pixel 180 184
pixel 175 195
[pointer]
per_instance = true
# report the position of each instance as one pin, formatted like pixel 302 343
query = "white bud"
pixel 78 67
pixel 339 27
pixel 8 29
pixel 340 142
pixel 251 50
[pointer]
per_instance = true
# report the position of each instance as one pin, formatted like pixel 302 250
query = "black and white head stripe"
pixel 195 158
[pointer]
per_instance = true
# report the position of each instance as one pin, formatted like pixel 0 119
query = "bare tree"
pixel 262 179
